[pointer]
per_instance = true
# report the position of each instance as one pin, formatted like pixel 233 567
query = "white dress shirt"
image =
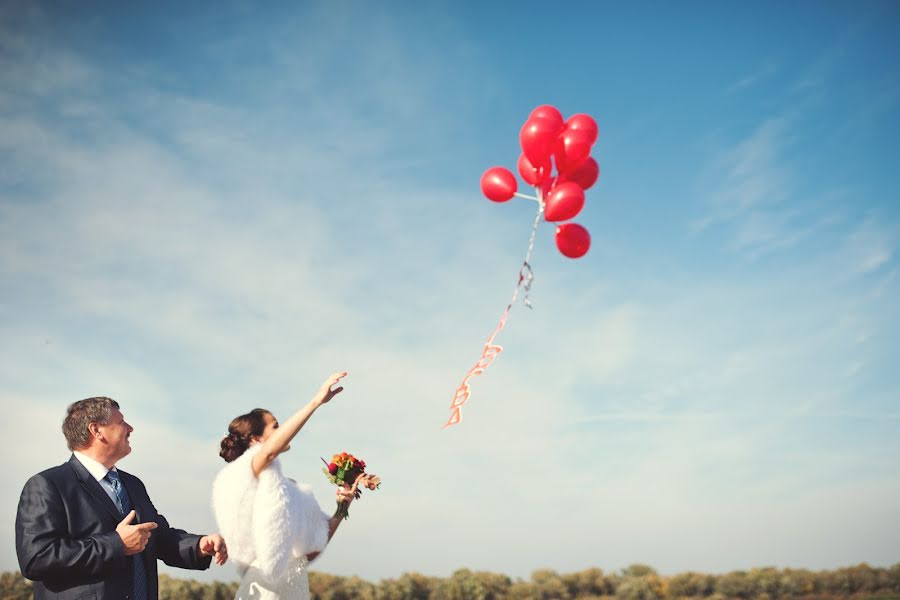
pixel 98 472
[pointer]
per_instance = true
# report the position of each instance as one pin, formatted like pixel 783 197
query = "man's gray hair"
pixel 81 414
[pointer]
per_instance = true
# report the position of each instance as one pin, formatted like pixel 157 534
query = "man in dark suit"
pixel 86 530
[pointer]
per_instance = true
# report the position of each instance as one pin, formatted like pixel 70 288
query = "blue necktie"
pixel 124 504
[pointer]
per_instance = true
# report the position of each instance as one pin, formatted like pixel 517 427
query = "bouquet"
pixel 345 470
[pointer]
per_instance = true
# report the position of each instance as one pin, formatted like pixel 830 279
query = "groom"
pixel 85 529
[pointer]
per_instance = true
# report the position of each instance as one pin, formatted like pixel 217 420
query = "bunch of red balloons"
pixel 548 139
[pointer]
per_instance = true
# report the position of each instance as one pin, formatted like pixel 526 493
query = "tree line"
pixel 637 582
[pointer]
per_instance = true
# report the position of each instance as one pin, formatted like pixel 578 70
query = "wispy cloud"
pixel 870 247
pixel 746 185
pixel 755 78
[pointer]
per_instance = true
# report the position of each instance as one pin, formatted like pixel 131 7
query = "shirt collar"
pixel 97 470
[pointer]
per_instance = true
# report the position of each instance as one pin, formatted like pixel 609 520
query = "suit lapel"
pixel 93 488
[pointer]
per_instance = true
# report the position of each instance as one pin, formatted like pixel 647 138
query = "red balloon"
pixel 551 113
pixel 564 202
pixel 537 137
pixel 586 175
pixel 498 184
pixel 532 175
pixel 573 240
pixel 585 123
pixel 573 147
pixel 548 186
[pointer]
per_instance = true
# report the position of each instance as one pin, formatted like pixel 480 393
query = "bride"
pixel 273 525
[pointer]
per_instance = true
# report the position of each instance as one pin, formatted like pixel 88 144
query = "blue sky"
pixel 206 209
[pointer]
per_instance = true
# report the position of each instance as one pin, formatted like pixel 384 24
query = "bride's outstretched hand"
pixel 348 493
pixel 364 480
pixel 326 392
pixel 369 481
pixel 345 495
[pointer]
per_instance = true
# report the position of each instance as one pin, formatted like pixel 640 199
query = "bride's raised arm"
pixel 281 438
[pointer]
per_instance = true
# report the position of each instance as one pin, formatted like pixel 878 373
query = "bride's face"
pixel 271 425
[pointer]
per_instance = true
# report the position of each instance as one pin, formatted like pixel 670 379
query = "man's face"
pixel 116 434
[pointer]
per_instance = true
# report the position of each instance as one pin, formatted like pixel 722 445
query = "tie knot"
pixel 113 477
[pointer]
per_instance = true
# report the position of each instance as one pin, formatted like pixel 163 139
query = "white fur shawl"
pixel 266 521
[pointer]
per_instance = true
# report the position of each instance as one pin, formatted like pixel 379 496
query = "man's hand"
pixel 135 537
pixel 213 545
pixel 325 392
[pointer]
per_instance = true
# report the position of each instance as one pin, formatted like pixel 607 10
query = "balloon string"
pixel 526 266
pixel 492 350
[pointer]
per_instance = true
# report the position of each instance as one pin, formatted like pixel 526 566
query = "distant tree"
pixel 638 570
pixel 171 588
pixel 691 585
pixel 495 585
pixel 796 582
pixel 706 584
pixel 884 580
pixel 863 578
pixel 521 590
pixel 321 585
pixel 765 581
pixel 636 582
pixel 548 585
pixel 894 577
pixel 735 585
pixel 590 582
pixel 410 586
pixel 838 582
pixel 388 589
pixel 648 587
pixel 462 585
pixel 613 581
pixel 15 587
pixel 221 591
pixel 352 588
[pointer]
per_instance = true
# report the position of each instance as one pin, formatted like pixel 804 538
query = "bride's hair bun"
pixel 240 433
pixel 232 446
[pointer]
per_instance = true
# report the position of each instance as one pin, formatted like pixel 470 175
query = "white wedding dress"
pixel 294 583
pixel 270 524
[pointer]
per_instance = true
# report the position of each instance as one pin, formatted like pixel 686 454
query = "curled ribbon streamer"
pixel 492 350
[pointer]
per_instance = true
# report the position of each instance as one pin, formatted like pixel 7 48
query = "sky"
pixel 209 207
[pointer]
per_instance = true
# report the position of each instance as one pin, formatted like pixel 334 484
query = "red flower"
pixel 332 468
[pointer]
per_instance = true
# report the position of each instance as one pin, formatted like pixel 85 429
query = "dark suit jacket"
pixel 67 543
